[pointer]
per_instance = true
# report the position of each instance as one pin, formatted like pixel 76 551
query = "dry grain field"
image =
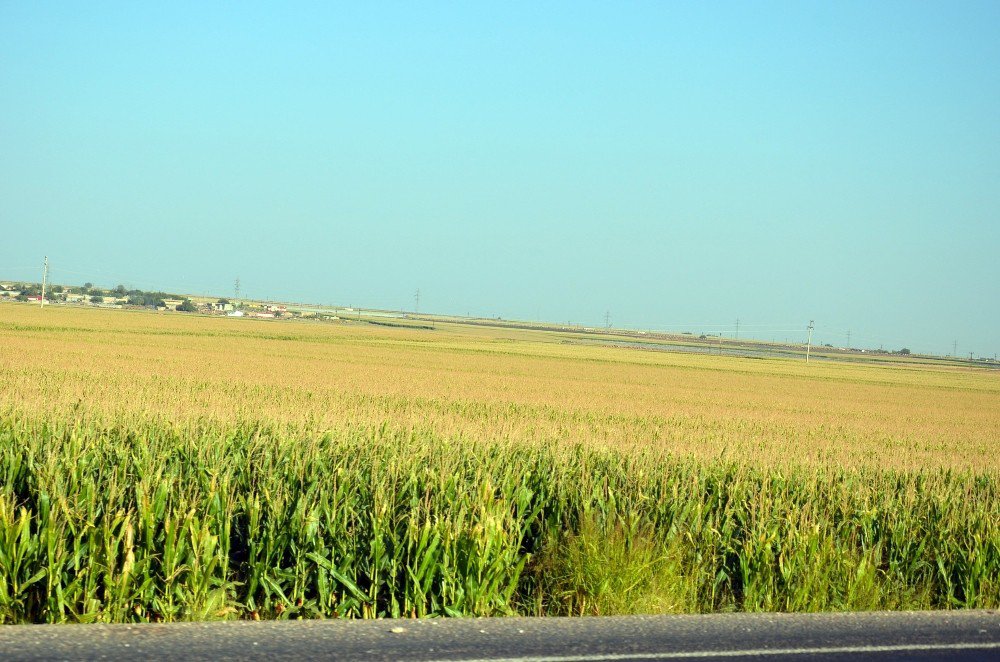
pixel 163 467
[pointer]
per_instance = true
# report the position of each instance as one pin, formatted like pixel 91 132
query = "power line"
pixel 756 330
pixel 789 325
pixel 175 288
pixel 32 268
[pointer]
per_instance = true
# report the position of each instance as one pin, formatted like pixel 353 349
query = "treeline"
pixel 133 297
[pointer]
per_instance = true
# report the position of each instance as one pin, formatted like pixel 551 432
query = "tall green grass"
pixel 148 520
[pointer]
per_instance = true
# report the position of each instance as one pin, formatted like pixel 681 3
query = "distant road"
pixel 854 636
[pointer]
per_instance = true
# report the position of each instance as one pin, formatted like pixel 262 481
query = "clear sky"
pixel 679 165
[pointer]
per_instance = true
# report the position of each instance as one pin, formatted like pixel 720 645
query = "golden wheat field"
pixel 171 467
pixel 498 384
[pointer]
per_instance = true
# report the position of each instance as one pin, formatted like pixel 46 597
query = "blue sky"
pixel 679 165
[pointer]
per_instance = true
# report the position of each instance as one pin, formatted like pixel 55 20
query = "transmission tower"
pixel 607 319
pixel 236 291
pixel 416 301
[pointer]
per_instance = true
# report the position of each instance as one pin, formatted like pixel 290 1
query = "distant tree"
pixel 120 290
pixel 187 306
pixel 224 301
pixel 57 288
pixel 140 298
pixel 904 351
pixel 88 285
pixel 96 299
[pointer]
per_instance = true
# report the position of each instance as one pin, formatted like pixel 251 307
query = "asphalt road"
pixel 971 635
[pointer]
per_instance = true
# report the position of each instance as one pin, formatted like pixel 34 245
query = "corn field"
pixel 165 468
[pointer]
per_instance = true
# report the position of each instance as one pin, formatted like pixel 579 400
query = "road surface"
pixel 970 635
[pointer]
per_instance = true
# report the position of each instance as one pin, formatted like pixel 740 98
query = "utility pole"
pixel 416 301
pixel 737 328
pixel 45 277
pixel 954 349
pixel 809 339
pixel 848 339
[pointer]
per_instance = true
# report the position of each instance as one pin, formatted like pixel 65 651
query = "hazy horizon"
pixel 677 165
